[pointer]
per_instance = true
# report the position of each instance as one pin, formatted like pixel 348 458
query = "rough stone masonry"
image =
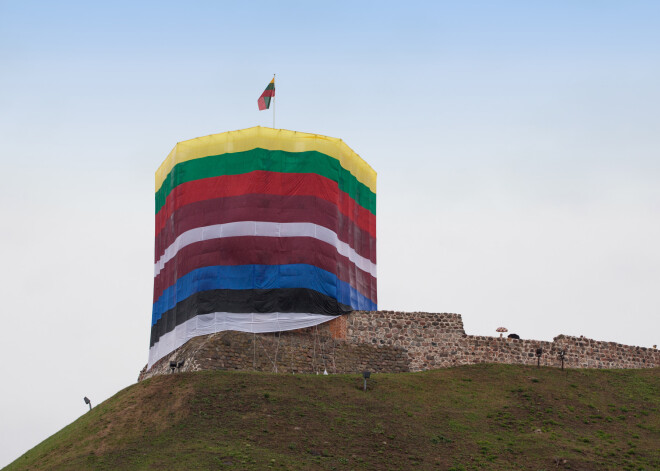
pixel 388 342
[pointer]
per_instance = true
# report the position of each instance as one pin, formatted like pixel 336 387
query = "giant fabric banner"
pixel 260 230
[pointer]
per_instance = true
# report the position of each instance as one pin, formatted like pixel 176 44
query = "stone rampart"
pixel 390 341
pixel 317 350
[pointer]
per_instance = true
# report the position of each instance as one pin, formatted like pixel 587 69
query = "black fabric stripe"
pixel 247 301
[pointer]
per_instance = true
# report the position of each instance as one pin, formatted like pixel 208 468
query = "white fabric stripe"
pixel 265 229
pixel 257 323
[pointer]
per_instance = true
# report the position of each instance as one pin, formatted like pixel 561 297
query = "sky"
pixel 516 144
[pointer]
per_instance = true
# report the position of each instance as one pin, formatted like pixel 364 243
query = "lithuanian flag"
pixel 269 92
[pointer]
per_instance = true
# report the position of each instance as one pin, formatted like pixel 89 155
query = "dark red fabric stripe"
pixel 267 92
pixel 264 182
pixel 230 251
pixel 268 208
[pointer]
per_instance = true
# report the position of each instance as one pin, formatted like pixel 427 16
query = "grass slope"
pixel 467 418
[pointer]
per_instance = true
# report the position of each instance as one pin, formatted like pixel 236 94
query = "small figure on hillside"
pixel 501 330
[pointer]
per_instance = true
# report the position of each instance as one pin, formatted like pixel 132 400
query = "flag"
pixel 269 92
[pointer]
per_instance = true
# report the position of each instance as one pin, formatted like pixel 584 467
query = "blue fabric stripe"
pixel 260 277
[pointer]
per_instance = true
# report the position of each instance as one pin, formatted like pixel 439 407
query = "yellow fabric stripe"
pixel 272 139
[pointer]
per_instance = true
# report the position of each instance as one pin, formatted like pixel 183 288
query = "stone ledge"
pixel 391 341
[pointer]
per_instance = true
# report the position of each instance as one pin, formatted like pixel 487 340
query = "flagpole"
pixel 274 102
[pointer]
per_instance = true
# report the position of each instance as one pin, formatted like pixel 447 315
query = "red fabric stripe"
pixel 263 182
pixel 270 93
pixel 231 251
pixel 262 103
pixel 268 208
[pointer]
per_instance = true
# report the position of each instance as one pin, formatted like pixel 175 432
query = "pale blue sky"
pixel 517 145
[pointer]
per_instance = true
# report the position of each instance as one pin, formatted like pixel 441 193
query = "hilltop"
pixel 464 418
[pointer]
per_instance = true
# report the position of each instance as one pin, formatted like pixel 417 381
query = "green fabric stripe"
pixel 270 86
pixel 270 160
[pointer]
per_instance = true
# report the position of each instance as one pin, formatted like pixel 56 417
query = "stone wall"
pixel 429 340
pixel 389 341
pixel 317 350
pixel 439 341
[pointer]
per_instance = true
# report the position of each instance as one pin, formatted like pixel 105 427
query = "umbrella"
pixel 501 330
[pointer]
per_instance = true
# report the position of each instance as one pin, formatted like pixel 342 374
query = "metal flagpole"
pixel 274 85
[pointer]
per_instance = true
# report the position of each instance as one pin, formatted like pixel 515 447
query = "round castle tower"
pixel 260 230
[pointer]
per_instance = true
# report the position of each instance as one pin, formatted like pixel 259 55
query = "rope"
pixel 325 368
pixel 314 354
pixel 334 354
pixel 266 352
pixel 192 356
pixel 291 349
pixel 279 336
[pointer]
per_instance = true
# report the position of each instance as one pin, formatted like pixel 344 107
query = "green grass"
pixel 468 418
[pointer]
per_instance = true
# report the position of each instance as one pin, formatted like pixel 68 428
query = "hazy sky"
pixel 516 144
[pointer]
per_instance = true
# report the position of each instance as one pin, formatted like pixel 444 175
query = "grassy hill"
pixel 476 417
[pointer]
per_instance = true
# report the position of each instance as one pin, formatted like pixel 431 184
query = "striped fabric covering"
pixel 260 230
